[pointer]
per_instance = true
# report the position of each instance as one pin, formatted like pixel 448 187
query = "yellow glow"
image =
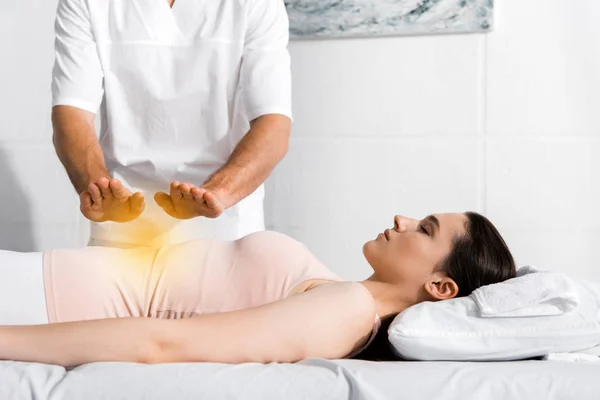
pixel 149 233
pixel 146 239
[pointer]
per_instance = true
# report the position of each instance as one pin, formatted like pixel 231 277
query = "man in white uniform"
pixel 195 101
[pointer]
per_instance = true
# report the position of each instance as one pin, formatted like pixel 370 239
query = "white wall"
pixel 38 207
pixel 503 124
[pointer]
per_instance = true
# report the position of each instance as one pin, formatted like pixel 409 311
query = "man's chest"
pixel 175 22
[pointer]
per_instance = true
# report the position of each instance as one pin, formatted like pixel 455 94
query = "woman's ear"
pixel 441 287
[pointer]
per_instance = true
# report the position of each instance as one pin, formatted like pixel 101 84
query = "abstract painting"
pixel 363 18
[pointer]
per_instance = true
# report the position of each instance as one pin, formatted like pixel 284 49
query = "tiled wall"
pixel 504 124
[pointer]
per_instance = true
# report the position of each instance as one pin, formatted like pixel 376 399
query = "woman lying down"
pixel 262 298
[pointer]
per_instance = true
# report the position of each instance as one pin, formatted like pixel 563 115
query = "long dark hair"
pixel 479 257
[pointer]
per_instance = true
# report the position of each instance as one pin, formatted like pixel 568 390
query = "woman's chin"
pixel 367 249
pixel 373 242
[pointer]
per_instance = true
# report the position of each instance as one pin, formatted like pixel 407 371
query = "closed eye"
pixel 422 229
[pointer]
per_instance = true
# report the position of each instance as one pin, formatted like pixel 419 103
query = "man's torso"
pixel 171 109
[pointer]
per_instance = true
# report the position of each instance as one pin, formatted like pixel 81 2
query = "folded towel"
pixel 594 351
pixel 529 269
pixel 532 293
pixel 571 357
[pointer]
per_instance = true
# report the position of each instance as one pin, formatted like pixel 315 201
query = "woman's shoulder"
pixel 351 316
pixel 356 292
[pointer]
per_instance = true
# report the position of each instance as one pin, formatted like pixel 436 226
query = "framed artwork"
pixel 313 19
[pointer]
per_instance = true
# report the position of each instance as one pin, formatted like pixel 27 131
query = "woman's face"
pixel 411 250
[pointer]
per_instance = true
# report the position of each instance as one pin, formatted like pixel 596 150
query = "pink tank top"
pixel 179 281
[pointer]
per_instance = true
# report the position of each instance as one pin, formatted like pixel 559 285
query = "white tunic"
pixel 177 89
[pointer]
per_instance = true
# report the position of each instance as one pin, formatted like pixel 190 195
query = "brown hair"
pixel 479 257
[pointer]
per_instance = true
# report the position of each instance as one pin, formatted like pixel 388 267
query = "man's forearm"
pixel 77 146
pixel 253 159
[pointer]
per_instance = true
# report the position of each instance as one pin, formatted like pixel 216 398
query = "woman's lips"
pixel 387 234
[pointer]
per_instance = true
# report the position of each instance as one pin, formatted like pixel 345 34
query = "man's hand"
pixel 187 201
pixel 109 200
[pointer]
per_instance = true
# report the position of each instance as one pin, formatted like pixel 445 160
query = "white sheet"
pixel 311 379
pixel 22 289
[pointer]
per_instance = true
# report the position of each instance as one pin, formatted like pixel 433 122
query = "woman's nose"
pixel 402 223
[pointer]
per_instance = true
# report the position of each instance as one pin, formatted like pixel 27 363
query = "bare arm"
pixel 77 146
pixel 329 321
pixel 250 164
pixel 265 80
pixel 102 198
pixel 253 160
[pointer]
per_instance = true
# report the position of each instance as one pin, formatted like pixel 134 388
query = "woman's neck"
pixel 389 299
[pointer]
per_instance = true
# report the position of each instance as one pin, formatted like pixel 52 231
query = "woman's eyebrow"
pixel 434 220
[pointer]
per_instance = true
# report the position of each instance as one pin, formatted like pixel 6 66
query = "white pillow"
pixel 452 330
